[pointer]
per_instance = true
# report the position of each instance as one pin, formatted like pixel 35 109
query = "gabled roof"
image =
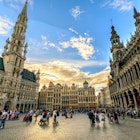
pixel 28 75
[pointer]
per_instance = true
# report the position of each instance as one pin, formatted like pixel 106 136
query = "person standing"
pixel 36 115
pixel 57 116
pixel 4 117
pixel 91 118
pixel 103 118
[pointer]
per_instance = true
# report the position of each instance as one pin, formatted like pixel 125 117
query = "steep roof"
pixel 28 75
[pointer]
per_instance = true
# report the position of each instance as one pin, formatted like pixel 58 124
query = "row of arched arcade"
pixel 127 99
pixel 23 107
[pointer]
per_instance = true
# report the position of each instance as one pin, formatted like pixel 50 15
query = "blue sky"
pixel 69 40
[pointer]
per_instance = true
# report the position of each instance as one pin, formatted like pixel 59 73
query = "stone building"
pixel 86 96
pixel 63 96
pixel 104 99
pixel 125 69
pixel 18 86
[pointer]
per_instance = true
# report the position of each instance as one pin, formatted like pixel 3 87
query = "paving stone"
pixel 77 128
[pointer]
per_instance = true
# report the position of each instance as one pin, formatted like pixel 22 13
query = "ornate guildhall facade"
pixel 58 96
pixel 125 69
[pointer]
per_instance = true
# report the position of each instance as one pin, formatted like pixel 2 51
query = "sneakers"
pixel 1 127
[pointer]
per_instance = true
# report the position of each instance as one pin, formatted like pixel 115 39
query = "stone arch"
pixel 8 105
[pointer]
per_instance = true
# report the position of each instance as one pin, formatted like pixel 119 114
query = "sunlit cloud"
pixel 82 44
pixel 59 72
pixel 76 12
pixel 121 5
pixel 5 25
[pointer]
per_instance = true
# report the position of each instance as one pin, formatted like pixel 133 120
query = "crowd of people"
pixel 8 115
pixel 45 115
pixel 95 116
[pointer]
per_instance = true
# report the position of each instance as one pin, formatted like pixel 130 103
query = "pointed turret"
pixel 38 76
pixel 115 39
pixel 137 17
pixel 85 84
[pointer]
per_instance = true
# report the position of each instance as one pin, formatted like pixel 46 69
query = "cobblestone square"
pixel 77 128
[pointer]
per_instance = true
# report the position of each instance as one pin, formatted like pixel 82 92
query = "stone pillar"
pixel 138 71
pixel 121 104
pixel 131 72
pixel 126 79
pixel 135 102
pixel 23 109
pixel 113 101
pixel 124 101
pixel 134 73
pixel 128 98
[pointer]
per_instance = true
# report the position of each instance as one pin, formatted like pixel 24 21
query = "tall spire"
pixel 18 35
pixel 15 50
pixel 137 17
pixel 113 33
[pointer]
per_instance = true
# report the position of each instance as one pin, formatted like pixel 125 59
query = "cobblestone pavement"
pixel 77 128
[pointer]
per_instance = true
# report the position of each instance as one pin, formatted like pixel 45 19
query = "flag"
pixel 17 71
pixel 110 81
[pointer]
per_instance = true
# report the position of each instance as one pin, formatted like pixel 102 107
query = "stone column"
pixel 113 101
pixel 124 101
pixel 121 104
pixel 138 71
pixel 23 109
pixel 135 102
pixel 131 73
pixel 128 98
pixel 125 77
pixel 134 73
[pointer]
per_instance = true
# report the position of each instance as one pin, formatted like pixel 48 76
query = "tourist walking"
pixel 4 117
pixel 91 117
pixel 103 118
pixel 97 118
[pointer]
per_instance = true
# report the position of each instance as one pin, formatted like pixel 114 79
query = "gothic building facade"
pixel 19 87
pixel 125 69
pixel 63 96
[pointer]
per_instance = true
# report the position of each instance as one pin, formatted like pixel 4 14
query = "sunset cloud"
pixel 59 72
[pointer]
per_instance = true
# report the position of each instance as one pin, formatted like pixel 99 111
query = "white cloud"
pixel 122 5
pixel 44 43
pixel 5 25
pixel 72 30
pixel 68 63
pixel 76 12
pixel 14 4
pixel 82 44
pixel 60 72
